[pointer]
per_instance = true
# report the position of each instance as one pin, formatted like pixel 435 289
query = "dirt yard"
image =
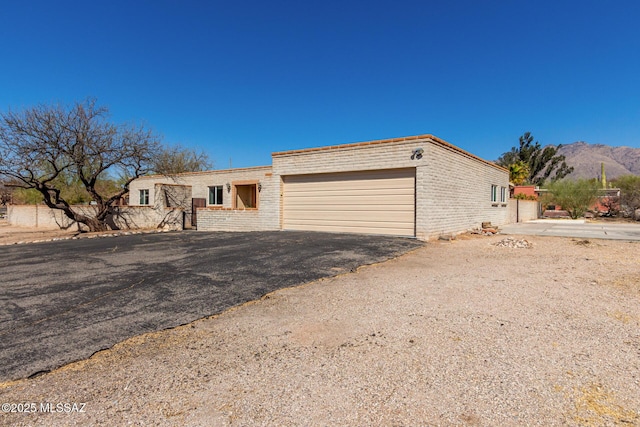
pixel 10 234
pixel 455 333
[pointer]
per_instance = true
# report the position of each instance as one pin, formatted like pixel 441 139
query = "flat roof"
pixel 209 171
pixel 433 138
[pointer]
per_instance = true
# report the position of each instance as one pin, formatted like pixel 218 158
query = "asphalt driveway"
pixel 63 301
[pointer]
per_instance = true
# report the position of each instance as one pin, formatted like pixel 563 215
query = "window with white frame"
pixel 215 195
pixel 503 194
pixel 144 197
pixel 494 193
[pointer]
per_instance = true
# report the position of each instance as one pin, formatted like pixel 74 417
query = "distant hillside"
pixel 586 159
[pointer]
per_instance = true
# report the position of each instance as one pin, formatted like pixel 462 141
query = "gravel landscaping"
pixel 468 332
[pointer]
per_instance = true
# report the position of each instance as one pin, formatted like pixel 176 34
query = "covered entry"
pixel 370 202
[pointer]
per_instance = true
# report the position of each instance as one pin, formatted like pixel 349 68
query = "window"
pixel 215 195
pixel 503 194
pixel 246 196
pixel 144 197
pixel 494 193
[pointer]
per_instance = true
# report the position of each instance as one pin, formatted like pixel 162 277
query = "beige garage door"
pixel 372 202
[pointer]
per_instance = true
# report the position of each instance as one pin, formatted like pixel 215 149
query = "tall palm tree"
pixel 518 172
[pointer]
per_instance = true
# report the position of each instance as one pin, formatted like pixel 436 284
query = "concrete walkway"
pixel 575 228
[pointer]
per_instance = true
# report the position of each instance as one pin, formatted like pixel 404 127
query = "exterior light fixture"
pixel 417 153
pixel 259 187
pixel 228 188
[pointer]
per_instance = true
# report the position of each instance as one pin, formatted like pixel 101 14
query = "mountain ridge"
pixel 586 159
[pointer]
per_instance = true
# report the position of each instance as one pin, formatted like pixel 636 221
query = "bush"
pixel 611 206
pixel 522 196
pixel 575 197
pixel 629 194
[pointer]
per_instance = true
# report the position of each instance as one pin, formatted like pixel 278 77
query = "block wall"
pixel 198 181
pixel 216 217
pixel 265 217
pixel 358 157
pixel 453 188
pixel 523 210
pixel 454 193
pixel 128 217
pixel 36 216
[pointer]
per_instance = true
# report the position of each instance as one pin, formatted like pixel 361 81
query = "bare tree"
pixel 42 145
pixel 177 159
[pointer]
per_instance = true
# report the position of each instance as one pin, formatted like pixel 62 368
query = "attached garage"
pixel 366 202
pixel 415 186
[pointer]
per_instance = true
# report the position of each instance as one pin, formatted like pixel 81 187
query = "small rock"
pixel 510 242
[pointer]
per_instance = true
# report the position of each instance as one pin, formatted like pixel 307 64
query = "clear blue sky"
pixel 241 79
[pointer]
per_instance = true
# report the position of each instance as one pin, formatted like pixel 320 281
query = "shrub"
pixel 629 194
pixel 576 197
pixel 522 196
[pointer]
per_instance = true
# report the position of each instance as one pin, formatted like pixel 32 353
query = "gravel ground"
pixel 455 333
pixel 11 234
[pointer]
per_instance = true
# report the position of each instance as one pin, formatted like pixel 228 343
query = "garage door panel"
pixel 363 185
pixel 356 209
pixel 400 217
pixel 400 231
pixel 353 176
pixel 385 199
pixel 350 192
pixel 373 202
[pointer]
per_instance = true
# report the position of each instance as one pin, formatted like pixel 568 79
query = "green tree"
pixel 544 163
pixel 576 197
pixel 629 186
pixel 24 196
pixel 518 172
